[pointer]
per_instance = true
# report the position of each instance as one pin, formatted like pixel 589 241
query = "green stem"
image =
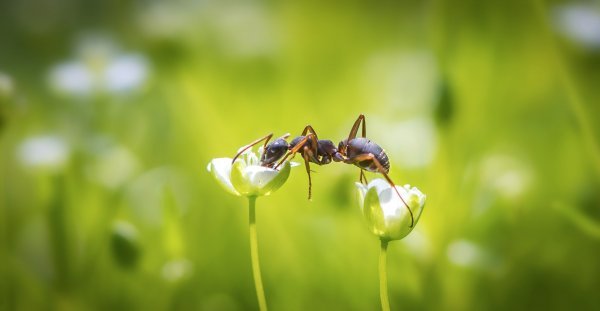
pixel 260 292
pixel 383 290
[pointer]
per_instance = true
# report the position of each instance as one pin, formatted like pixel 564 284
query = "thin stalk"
pixel 383 290
pixel 260 292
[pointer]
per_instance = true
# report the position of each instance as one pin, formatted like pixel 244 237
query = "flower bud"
pixel 386 215
pixel 246 177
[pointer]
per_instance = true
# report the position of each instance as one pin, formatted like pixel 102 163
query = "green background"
pixel 487 107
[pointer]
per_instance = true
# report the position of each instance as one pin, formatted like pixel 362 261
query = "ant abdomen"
pixel 362 145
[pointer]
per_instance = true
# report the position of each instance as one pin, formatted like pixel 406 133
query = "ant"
pixel 360 151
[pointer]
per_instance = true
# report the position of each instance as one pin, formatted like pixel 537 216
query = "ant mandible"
pixel 360 151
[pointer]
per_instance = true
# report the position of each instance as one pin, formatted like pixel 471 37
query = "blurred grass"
pixel 481 105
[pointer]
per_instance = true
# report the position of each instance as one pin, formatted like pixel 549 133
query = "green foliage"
pixel 111 110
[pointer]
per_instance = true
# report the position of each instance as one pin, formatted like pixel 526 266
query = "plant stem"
pixel 383 290
pixel 260 293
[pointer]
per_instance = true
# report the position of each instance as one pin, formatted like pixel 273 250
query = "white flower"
pixel 386 215
pixel 6 86
pixel 112 166
pixel 246 177
pixel 44 152
pixel 580 22
pixel 176 269
pixel 99 67
pixel 125 72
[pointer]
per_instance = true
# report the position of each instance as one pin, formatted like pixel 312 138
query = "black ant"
pixel 360 151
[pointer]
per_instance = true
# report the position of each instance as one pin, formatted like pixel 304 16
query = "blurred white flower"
pixel 405 82
pixel 464 253
pixel 580 22
pixel 412 142
pixel 470 255
pixel 246 177
pixel 386 215
pixel 245 30
pixel 166 20
pixel 418 243
pixel 506 175
pixel 146 193
pixel 113 166
pixel 6 85
pixel 98 68
pixel 176 270
pixel 44 152
pixel 72 78
pixel 125 72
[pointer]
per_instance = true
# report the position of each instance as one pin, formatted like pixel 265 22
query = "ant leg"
pixel 354 130
pixel 315 146
pixel 307 155
pixel 309 129
pixel 371 157
pixel 314 139
pixel 250 145
pixel 363 178
pixel 295 149
pixel 284 136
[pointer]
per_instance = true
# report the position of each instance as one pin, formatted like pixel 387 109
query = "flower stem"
pixel 383 290
pixel 260 293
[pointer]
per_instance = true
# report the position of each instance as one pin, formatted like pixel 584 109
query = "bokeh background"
pixel 111 110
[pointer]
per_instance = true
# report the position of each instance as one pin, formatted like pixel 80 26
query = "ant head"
pixel 326 147
pixel 274 152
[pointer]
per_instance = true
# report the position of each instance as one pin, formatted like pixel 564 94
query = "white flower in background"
pixel 43 152
pixel 145 193
pixel 246 177
pixel 419 244
pixel 6 85
pixel 244 30
pixel 162 20
pixel 509 176
pixel 99 67
pixel 113 166
pixel 72 78
pixel 125 72
pixel 464 253
pixel 579 22
pixel 418 145
pixel 386 215
pixel 176 269
pixel 404 81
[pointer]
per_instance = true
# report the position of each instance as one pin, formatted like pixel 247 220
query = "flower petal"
pixel 259 177
pixel 220 168
pixel 380 184
pixel 239 179
pixel 362 191
pixel 278 180
pixel 255 180
pixel 374 214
